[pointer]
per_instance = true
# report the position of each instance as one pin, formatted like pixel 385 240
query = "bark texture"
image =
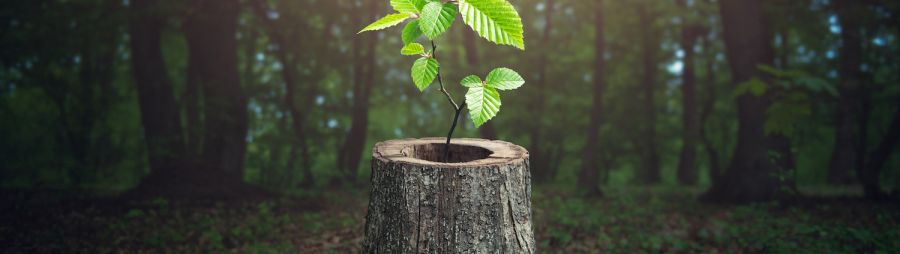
pixel 478 203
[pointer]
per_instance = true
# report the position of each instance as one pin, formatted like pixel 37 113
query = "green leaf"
pixel 495 20
pixel 412 49
pixel 408 6
pixel 504 79
pixel 483 103
pixel 437 18
pixel 424 71
pixel 388 21
pixel 471 81
pixel 411 32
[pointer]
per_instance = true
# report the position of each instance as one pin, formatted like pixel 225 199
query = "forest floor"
pixel 629 220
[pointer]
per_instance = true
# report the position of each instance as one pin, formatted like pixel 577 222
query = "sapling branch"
pixel 441 80
pixel 494 20
pixel 457 108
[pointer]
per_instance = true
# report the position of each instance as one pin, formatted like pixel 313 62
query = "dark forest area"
pixel 248 126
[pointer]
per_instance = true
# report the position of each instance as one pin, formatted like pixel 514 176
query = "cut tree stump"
pixel 480 202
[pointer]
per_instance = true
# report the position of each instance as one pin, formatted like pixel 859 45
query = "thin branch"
pixel 441 80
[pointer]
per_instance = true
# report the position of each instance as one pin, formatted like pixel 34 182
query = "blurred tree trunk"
pixel 649 146
pixel 291 86
pixel 156 97
pixel 540 153
pixel 487 131
pixel 846 142
pixel 210 30
pixel 588 176
pixel 751 176
pixel 364 73
pixel 709 103
pixel 869 175
pixel 687 163
pixel 782 155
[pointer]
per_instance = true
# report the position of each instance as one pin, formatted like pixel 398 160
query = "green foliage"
pixel 483 102
pixel 437 18
pixel 495 20
pixel 483 99
pixel 387 21
pixel 504 79
pixel 412 49
pixel 408 6
pixel 411 32
pixel 424 71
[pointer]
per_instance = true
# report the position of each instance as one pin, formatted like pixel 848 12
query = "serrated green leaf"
pixel 408 6
pixel 495 20
pixel 483 103
pixel 387 21
pixel 504 79
pixel 411 32
pixel 437 18
pixel 412 49
pixel 424 71
pixel 471 81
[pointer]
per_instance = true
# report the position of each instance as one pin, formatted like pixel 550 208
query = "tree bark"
pixel 588 176
pixel 844 155
pixel 156 97
pixel 751 175
pixel 210 32
pixel 687 163
pixel 480 203
pixel 649 168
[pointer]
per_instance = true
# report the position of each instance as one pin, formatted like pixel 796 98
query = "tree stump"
pixel 479 202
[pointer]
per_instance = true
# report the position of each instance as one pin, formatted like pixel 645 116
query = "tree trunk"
pixel 687 163
pixel 715 167
pixel 869 175
pixel 844 155
pixel 541 153
pixel 487 130
pixel 210 32
pixel 478 203
pixel 364 73
pixel 588 176
pixel 289 76
pixel 751 176
pixel 649 169
pixel 156 97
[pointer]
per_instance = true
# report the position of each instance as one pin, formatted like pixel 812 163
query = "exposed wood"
pixel 479 204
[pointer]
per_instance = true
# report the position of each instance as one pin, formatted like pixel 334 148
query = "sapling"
pixel 494 20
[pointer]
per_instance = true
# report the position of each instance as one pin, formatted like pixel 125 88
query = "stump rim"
pixel 397 151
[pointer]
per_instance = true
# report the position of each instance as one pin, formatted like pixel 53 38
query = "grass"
pixel 629 220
